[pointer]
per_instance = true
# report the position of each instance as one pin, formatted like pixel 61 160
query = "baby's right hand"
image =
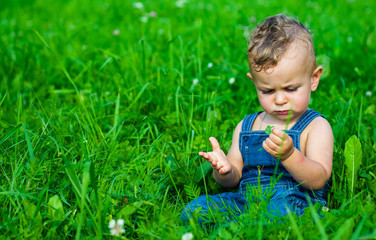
pixel 217 158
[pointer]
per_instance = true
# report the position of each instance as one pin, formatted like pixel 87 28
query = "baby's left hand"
pixel 278 144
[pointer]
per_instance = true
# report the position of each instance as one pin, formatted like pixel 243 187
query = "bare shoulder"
pixel 317 135
pixel 319 142
pixel 319 126
pixel 235 136
pixel 238 128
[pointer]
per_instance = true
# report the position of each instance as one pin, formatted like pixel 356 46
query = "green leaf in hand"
pixel 268 129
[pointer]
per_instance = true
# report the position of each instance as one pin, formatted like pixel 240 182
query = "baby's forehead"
pixel 298 47
pixel 296 55
pixel 299 50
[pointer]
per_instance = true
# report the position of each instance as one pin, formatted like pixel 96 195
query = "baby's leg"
pixel 211 208
pixel 283 201
pixel 293 199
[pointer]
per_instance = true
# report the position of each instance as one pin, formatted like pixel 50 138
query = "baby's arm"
pixel 227 169
pixel 314 169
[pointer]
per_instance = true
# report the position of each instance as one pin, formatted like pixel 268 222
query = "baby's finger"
pixel 204 155
pixel 274 139
pixel 212 158
pixel 270 147
pixel 214 143
pixel 278 132
pixel 223 171
pixel 271 144
pixel 207 156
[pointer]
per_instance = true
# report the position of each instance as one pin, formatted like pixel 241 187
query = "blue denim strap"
pixel 248 121
pixel 306 119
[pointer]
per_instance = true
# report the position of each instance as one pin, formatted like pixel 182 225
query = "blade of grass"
pixel 19 110
pixel 84 187
pixel 142 43
pixel 29 146
pixel 294 225
pixel 10 133
pixel 346 227
pixel 181 57
pixel 283 140
pixel 199 49
pixel 260 225
pixel 317 220
pixel 177 105
pixel 2 100
pixel 360 115
pixel 61 65
pixel 116 117
pixel 359 227
pixel 137 97
pixel 72 176
pixel 108 60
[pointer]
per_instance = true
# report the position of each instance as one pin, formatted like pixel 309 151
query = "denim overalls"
pixel 263 177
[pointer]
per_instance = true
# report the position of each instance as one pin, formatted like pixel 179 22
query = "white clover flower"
pixel 116 227
pixel 210 65
pixel 195 81
pixel 252 19
pixel 325 209
pixel 144 19
pixel 161 31
pixel 369 93
pixel 231 80
pixel 180 3
pixel 152 14
pixel 138 5
pixel 116 32
pixel 187 236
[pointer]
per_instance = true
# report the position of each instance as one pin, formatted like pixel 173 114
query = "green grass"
pixel 95 126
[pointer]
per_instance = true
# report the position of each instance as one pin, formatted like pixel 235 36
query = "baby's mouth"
pixel 283 112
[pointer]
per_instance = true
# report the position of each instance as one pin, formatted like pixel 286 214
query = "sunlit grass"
pixel 104 107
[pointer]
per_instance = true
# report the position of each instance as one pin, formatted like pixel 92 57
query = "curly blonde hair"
pixel 271 38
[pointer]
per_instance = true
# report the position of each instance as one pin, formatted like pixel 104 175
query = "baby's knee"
pixel 196 205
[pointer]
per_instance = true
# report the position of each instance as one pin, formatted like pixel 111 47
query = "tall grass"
pixel 104 107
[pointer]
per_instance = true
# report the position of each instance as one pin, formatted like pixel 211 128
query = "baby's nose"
pixel 280 98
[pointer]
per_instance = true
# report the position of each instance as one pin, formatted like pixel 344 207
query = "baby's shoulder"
pixel 318 128
pixel 317 134
pixel 318 123
pixel 239 126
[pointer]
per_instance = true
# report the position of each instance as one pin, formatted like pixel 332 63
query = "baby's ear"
pixel 249 75
pixel 316 78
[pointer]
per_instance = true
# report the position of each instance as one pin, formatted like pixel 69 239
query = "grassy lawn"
pixel 104 106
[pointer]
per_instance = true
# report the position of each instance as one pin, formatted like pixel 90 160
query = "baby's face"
pixel 288 85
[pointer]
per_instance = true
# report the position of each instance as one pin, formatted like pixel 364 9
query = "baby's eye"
pixel 267 91
pixel 291 89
